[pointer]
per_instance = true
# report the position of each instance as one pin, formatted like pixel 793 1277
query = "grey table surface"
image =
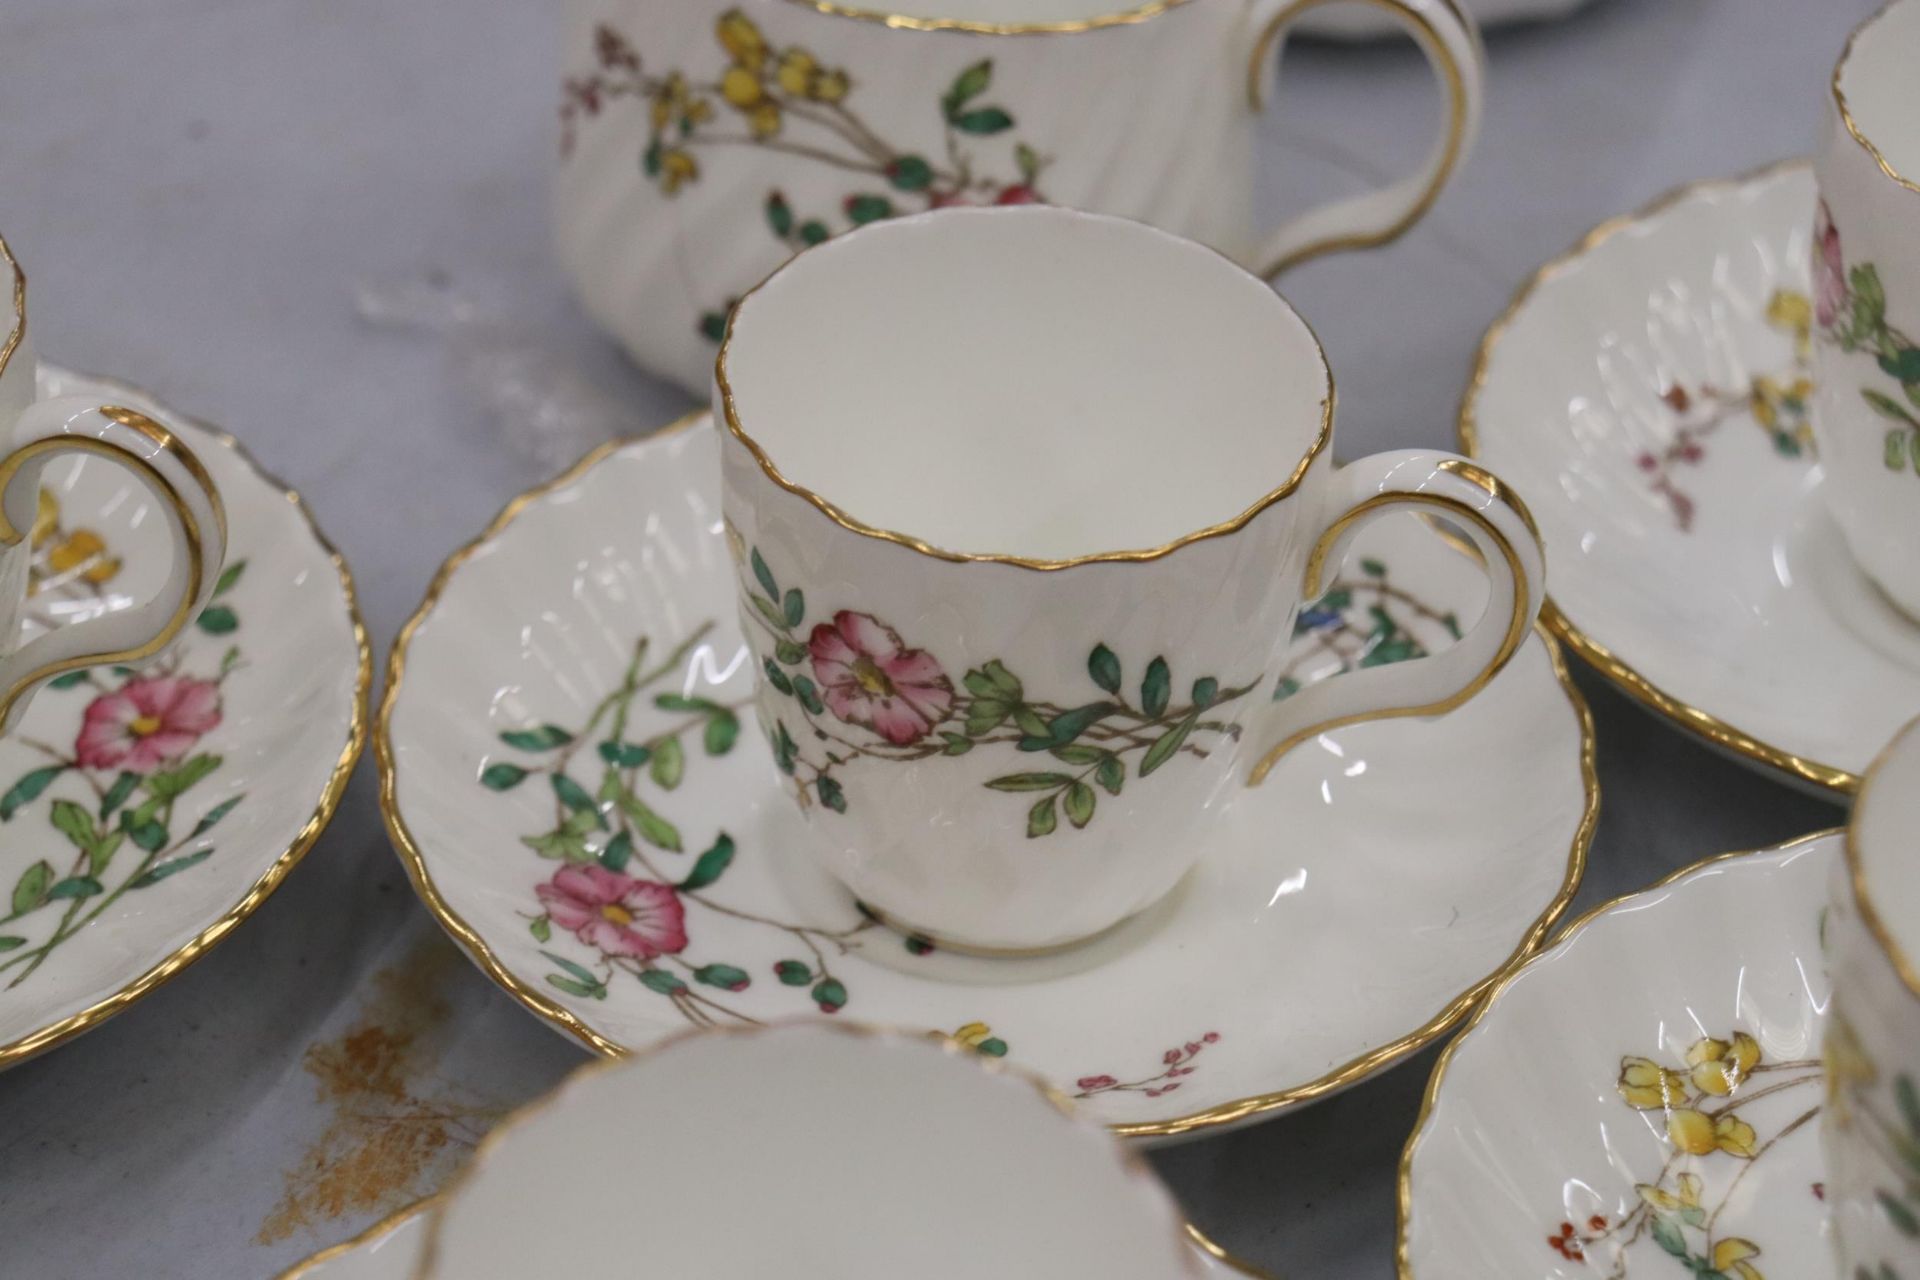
pixel 259 209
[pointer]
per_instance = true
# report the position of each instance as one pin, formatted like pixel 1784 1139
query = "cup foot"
pixel 931 941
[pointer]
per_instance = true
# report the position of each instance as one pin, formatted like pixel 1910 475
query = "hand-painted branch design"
pixel 1175 1064
pixel 115 793
pixel 860 692
pixel 1702 1100
pixel 617 890
pixel 1778 404
pixel 785 101
pixel 1851 306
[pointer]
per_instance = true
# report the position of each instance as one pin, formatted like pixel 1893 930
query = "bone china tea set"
pixel 996 720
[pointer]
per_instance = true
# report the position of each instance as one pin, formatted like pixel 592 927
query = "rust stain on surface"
pixel 397 1126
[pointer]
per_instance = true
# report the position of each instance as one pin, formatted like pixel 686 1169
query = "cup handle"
pixel 1499 526
pixel 187 501
pixel 1452 45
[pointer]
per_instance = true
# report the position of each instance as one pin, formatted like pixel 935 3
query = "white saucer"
pixel 1710 584
pixel 261 714
pixel 1543 1147
pixel 1350 911
pixel 389 1250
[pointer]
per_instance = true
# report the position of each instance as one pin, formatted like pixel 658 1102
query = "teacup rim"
pixel 1133 16
pixel 1322 439
pixel 1863 902
pixel 1840 103
pixel 1130 1158
pixel 18 334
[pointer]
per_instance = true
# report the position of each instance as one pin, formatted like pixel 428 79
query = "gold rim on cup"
pixel 1853 128
pixel 1062 26
pixel 853 524
pixel 1857 871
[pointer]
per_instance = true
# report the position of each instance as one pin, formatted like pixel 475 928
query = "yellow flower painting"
pixel 1697 1103
pixel 783 100
pixel 67 560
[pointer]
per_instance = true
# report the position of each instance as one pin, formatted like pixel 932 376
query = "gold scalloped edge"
pixel 19 330
pixel 1846 113
pixel 1701 723
pixel 399 833
pixel 1368 1064
pixel 1339 1078
pixel 60 1032
pixel 1065 26
pixel 728 415
pixel 1132 1163
pixel 1857 871
pixel 1201 1241
pixel 378 1231
pixel 1403 1267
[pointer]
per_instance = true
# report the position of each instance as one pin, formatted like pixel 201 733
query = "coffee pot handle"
pixel 1452 45
pixel 188 507
pixel 1499 528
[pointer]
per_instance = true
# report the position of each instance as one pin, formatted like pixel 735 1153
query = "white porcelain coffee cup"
pixel 1025 502
pixel 34 434
pixel 805 1150
pixel 1870 1126
pixel 1866 273
pixel 704 141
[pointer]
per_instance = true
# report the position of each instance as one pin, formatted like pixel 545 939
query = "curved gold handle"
pixel 1452 45
pixel 190 507
pixel 1497 524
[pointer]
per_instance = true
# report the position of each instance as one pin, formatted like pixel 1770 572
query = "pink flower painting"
pixel 1829 271
pixel 869 678
pixel 614 913
pixel 146 722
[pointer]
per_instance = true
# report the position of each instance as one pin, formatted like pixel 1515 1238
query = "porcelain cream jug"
pixel 704 141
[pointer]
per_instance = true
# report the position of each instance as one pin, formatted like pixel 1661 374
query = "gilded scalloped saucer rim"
pixel 165 968
pixel 1334 1080
pixel 1618 668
